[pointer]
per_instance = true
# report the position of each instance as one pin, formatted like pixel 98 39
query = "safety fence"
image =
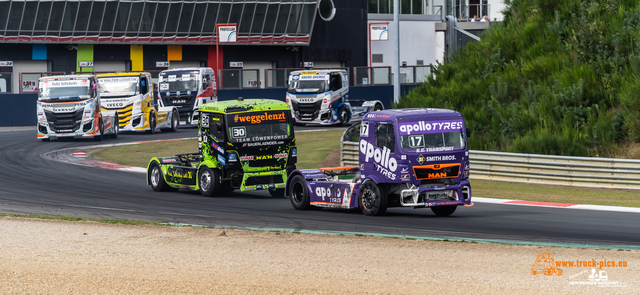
pixel 241 78
pixel 530 168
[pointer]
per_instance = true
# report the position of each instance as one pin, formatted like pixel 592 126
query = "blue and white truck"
pixel 322 97
pixel 187 89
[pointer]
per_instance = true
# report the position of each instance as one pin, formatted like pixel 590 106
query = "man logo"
pixel 436 166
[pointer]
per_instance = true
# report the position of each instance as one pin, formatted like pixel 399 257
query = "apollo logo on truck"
pixel 430 127
pixel 387 165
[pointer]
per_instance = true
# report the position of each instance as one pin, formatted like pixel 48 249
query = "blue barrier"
pixel 20 109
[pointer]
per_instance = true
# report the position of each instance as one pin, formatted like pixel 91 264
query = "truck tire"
pixel 299 193
pixel 209 182
pixel 152 123
pixel 343 115
pixel 101 129
pixel 156 179
pixel 372 199
pixel 444 210
pixel 116 127
pixel 378 107
pixel 276 192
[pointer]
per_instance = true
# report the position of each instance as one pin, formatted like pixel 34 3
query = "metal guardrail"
pixel 530 168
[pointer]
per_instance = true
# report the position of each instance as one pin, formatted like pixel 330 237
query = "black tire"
pixel 343 115
pixel 101 128
pixel 156 178
pixel 116 127
pixel 299 193
pixel 372 200
pixel 276 192
pixel 152 123
pixel 209 182
pixel 444 210
pixel 46 139
pixel 377 107
pixel 301 124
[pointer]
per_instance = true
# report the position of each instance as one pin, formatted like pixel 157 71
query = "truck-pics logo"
pixel 545 264
pixel 380 156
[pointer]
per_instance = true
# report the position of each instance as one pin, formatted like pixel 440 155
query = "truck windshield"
pixel 178 81
pixel 68 90
pixel 307 86
pixel 259 126
pixel 118 86
pixel 432 136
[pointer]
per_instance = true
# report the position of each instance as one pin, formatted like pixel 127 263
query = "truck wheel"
pixel 372 200
pixel 101 128
pixel 444 210
pixel 299 193
pixel 46 139
pixel 152 123
pixel 378 107
pixel 276 192
pixel 343 115
pixel 209 182
pixel 156 179
pixel 116 127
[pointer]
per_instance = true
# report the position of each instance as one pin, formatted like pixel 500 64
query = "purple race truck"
pixel 408 158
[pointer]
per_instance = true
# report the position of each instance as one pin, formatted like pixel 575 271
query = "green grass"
pixel 555 193
pixel 313 149
pixel 138 155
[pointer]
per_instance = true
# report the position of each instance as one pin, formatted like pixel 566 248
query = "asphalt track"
pixel 34 185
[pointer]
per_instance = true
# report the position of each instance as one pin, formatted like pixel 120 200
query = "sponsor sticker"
pixel 423 127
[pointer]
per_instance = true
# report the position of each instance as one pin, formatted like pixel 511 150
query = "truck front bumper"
pixel 450 195
pixel 264 180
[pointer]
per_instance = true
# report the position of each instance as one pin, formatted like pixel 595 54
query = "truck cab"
pixel 243 144
pixel 69 106
pixel 319 96
pixel 407 158
pixel 130 94
pixel 187 89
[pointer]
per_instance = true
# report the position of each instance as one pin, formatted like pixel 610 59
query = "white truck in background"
pixel 187 89
pixel 69 106
pixel 322 97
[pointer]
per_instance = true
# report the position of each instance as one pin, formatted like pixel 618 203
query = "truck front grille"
pixel 306 110
pixel 437 171
pixel 178 100
pixel 64 122
pixel 124 114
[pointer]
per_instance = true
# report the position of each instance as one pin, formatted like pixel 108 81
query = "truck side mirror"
pixel 468 131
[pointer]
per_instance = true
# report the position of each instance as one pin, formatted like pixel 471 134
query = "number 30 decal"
pixel 238 132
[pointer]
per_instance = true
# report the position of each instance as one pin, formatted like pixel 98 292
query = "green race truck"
pixel 243 144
